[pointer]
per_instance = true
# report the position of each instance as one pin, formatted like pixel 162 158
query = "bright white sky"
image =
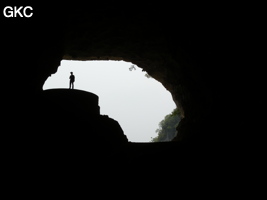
pixel 138 103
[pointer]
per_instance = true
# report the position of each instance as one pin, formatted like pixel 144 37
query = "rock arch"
pixel 189 51
pixel 178 51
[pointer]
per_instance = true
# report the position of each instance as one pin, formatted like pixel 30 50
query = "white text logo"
pixel 21 11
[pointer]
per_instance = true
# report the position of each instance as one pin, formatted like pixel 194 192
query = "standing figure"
pixel 72 79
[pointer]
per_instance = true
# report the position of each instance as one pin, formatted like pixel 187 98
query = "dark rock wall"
pixel 192 50
pixel 176 48
pixel 187 49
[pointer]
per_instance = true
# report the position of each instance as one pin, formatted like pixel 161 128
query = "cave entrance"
pixel 126 94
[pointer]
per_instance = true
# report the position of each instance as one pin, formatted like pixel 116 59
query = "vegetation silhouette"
pixel 167 127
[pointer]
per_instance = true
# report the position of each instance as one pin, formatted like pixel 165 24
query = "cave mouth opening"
pixel 126 93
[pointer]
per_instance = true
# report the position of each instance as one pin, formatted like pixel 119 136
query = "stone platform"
pixel 75 101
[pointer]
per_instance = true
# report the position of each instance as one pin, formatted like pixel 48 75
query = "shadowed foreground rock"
pixel 74 116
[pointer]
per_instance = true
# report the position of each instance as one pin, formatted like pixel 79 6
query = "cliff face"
pixel 74 116
pixel 192 52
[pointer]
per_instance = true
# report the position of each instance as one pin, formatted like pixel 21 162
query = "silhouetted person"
pixel 72 79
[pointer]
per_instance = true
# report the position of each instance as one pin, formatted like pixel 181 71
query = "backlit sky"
pixel 138 103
